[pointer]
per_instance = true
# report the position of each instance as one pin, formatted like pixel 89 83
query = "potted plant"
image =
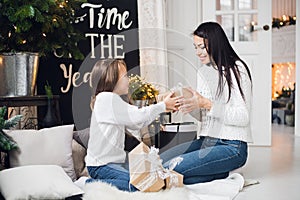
pixel 32 28
pixel 50 118
pixel 141 93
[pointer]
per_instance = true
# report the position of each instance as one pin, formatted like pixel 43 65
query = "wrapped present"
pixel 178 90
pixel 145 168
pixel 174 179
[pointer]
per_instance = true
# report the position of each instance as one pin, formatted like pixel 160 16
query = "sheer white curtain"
pixel 152 42
pixel 283 7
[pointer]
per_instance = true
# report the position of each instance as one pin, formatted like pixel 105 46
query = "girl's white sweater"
pixel 110 117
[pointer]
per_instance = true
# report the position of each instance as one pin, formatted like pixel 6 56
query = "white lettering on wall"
pixel 92 35
pixel 100 17
pixel 103 46
pixel 116 37
pixel 73 79
pixel 108 17
pixel 111 45
pixel 91 12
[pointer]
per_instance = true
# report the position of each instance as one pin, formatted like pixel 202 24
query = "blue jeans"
pixel 207 159
pixel 114 174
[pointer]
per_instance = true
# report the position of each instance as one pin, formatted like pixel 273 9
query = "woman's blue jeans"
pixel 207 159
pixel 114 174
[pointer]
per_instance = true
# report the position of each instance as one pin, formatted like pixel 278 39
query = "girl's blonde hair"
pixel 105 75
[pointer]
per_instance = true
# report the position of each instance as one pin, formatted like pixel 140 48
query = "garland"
pixel 284 21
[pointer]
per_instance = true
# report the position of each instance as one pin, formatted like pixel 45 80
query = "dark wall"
pixel 75 91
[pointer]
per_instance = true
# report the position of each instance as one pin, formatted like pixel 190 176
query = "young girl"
pixel 110 117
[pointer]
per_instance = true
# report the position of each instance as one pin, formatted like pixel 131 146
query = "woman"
pixel 110 117
pixel 221 104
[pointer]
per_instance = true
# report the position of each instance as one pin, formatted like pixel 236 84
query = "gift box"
pixel 179 90
pixel 145 168
pixel 174 179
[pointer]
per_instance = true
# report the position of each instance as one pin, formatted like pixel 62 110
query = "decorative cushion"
pixel 37 182
pixel 82 137
pixel 78 154
pixel 49 146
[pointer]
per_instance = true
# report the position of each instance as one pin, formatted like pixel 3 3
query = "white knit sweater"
pixel 110 117
pixel 226 120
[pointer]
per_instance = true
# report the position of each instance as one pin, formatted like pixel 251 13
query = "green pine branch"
pixel 12 122
pixel 6 142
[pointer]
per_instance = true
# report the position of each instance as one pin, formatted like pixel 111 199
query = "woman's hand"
pixel 195 102
pixel 172 103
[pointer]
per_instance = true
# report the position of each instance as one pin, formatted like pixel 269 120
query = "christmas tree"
pixel 41 26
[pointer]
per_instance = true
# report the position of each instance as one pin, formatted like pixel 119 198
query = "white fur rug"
pixel 103 191
pixel 224 189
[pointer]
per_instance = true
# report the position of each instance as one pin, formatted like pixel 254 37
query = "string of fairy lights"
pixel 285 20
pixel 283 78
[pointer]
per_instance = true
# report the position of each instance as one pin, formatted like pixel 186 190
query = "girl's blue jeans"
pixel 207 159
pixel 204 159
pixel 114 174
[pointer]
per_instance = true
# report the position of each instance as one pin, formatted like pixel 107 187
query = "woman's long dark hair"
pixel 222 53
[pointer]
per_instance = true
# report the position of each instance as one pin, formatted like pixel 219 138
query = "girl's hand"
pixel 195 102
pixel 172 103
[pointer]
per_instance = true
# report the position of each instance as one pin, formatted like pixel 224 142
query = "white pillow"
pixel 37 182
pixel 48 146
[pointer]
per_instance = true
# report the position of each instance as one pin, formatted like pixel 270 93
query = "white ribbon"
pixel 174 162
pixel 156 167
pixel 168 172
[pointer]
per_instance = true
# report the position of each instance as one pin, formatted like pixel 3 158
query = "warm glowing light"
pixel 283 77
pixel 24 41
pixel 61 6
pixel 285 18
pixel 54 20
pixel 9 34
pixel 44 34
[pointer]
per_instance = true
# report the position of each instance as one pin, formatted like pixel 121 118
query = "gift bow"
pixel 156 166
pixel 156 162
pixel 168 172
